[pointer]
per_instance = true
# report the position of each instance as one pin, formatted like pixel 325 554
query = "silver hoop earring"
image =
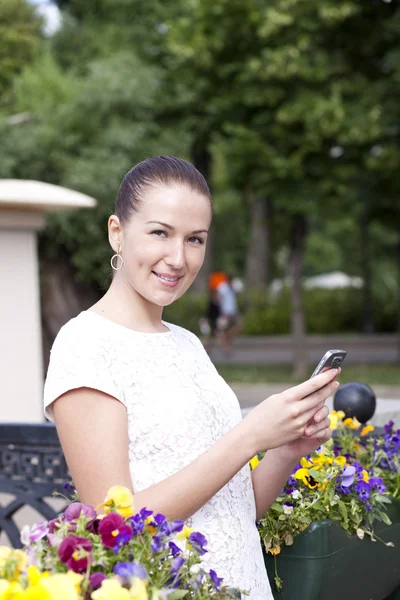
pixel 119 265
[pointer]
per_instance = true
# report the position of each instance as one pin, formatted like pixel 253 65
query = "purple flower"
pixel 74 511
pixel 111 527
pixel 67 552
pixel 137 521
pixel 175 550
pixel 396 439
pixel 34 534
pixel 156 543
pixel 130 570
pixel 174 527
pixel 96 579
pixel 389 427
pixel 69 487
pixel 197 582
pixel 348 477
pixel 176 564
pixel 54 524
pixel 377 483
pixel 363 490
pixel 216 580
pixel 198 542
pixel 343 490
pixel 122 538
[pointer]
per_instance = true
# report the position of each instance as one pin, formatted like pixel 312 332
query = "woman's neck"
pixel 125 306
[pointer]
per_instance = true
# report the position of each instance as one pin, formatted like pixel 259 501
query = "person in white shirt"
pixel 228 323
pixel 138 403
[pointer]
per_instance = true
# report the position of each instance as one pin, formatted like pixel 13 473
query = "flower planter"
pixel 325 563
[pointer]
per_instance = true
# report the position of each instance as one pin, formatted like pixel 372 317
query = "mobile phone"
pixel 330 360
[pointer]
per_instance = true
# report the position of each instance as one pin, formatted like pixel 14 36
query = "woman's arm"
pixel 93 431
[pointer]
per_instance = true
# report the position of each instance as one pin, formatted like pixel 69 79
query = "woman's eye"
pixel 195 240
pixel 159 233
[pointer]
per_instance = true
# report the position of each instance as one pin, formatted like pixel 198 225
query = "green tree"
pixel 20 34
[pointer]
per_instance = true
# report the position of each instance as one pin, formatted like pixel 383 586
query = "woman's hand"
pixel 295 417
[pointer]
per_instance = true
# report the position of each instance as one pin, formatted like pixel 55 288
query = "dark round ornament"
pixel 355 400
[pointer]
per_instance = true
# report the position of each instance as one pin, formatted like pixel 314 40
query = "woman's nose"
pixel 176 256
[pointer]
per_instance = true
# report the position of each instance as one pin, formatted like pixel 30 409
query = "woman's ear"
pixel 115 233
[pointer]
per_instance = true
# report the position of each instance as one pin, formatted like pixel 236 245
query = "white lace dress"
pixel 177 407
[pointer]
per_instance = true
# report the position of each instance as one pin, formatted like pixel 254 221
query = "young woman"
pixel 138 403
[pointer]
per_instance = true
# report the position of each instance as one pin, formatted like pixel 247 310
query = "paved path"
pixel 388 399
pixel 377 348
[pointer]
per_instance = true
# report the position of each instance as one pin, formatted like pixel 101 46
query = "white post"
pixel 22 214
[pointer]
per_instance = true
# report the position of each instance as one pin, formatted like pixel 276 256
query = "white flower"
pixel 335 500
pixel 25 533
pixel 296 494
pixel 287 509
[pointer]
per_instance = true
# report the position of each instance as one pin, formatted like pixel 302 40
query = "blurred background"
pixel 290 108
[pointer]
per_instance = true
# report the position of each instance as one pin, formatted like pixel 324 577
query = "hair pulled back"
pixel 156 171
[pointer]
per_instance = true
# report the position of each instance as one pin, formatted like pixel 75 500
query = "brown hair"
pixel 156 171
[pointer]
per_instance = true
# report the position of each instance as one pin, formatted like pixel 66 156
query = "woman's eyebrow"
pixel 173 228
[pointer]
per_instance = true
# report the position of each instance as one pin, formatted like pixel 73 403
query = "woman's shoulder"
pixel 79 328
pixel 184 335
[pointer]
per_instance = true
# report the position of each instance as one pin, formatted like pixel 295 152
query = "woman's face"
pixel 163 244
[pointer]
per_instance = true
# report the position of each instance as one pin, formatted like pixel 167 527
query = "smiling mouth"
pixel 166 278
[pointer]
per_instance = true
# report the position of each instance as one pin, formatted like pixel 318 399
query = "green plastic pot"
pixel 325 563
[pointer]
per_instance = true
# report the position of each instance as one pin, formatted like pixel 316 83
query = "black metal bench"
pixel 32 467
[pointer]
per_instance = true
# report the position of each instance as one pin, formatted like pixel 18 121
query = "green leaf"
pixel 343 511
pixel 178 594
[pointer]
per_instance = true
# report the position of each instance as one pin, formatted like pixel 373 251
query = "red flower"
pixel 113 527
pixel 69 551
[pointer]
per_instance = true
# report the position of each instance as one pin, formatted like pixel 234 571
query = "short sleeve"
pixel 78 359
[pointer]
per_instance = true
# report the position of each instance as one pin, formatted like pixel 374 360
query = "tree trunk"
pixel 201 159
pixel 398 296
pixel 299 236
pixel 367 316
pixel 258 250
pixel 62 297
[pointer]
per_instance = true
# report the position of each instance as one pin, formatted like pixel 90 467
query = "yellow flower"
pixel 254 462
pixel 185 533
pixel 335 416
pixel 37 592
pixel 340 460
pixel 34 575
pixel 365 430
pixel 275 550
pixel 306 464
pixel 365 476
pixel 111 589
pixel 10 590
pixel 62 586
pixel 150 526
pixel 306 478
pixel 320 461
pixel 4 588
pixel 138 590
pixel 118 499
pixel 352 423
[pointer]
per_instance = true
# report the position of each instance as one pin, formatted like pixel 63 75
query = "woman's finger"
pixel 316 429
pixel 321 414
pixel 312 402
pixel 325 435
pixel 312 385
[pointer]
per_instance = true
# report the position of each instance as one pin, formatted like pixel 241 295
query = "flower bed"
pixel 117 556
pixel 344 492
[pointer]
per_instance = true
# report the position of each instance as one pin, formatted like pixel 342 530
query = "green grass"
pixel 385 374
